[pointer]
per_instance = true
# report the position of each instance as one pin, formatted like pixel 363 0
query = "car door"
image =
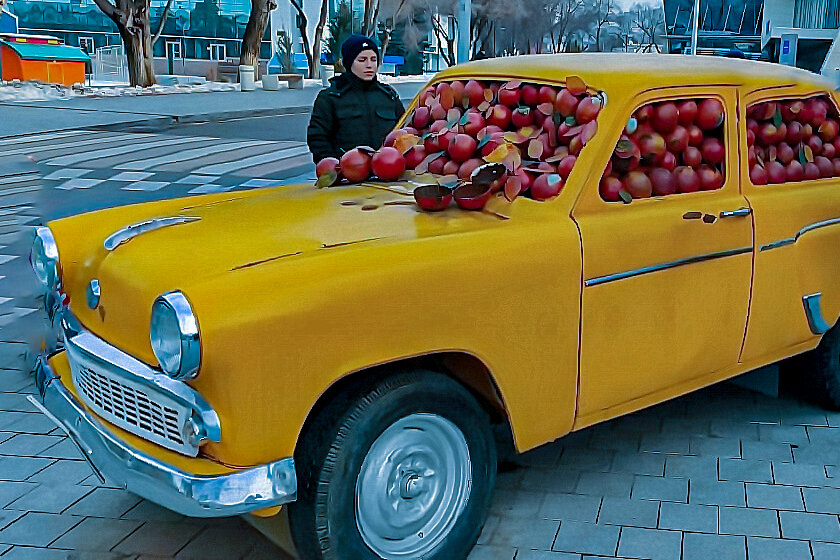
pixel 797 230
pixel 666 280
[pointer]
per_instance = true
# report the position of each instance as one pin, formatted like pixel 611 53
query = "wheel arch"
pixel 465 368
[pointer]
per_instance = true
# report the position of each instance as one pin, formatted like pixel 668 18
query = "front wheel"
pixel 406 472
pixel 816 374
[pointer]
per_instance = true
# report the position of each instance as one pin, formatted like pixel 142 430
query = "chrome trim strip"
pixel 86 348
pixel 813 312
pixel 656 267
pixel 234 493
pixel 129 232
pixel 800 233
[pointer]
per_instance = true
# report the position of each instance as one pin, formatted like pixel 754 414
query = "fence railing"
pixel 110 64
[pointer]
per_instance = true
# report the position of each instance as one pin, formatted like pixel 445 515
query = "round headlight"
pixel 174 334
pixel 44 258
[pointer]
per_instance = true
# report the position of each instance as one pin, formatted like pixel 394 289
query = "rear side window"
pixel 792 140
pixel 668 147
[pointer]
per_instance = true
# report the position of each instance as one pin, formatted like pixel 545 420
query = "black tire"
pixel 324 521
pixel 816 374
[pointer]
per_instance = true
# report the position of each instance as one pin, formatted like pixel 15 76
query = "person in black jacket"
pixel 357 109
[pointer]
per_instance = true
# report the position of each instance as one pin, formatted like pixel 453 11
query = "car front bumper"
pixel 118 462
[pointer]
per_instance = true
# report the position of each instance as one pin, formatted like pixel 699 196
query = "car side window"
pixel 668 147
pixel 792 140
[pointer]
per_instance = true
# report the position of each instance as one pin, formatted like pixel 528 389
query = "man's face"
pixel 365 65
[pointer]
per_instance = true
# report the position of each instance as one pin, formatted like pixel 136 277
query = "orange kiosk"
pixel 42 58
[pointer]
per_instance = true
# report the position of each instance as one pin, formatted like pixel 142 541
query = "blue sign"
pixel 786 47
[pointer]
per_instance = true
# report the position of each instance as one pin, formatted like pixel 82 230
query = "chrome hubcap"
pixel 413 485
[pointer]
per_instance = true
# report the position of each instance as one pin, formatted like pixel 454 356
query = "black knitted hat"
pixel 352 46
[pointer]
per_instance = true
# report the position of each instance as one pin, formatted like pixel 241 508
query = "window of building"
pixel 87 44
pixel 792 140
pixel 668 147
pixel 217 51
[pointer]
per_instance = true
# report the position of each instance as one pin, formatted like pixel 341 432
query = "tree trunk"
pixel 303 24
pixel 254 32
pixel 132 20
pixel 316 45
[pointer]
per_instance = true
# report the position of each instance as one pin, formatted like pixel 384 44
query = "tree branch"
pixel 162 22
pixel 108 9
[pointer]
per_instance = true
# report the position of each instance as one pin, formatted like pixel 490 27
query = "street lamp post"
pixel 464 16
pixel 694 27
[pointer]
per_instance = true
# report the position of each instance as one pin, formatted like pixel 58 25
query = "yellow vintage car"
pixel 344 355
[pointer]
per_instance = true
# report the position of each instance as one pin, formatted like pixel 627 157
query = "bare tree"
pixel 564 15
pixel 444 33
pixel 605 11
pixel 650 22
pixel 132 20
pixel 254 31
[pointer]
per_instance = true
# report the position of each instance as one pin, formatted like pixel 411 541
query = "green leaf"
pixel 464 119
pixel 570 120
pixel 777 118
pixel 483 141
pixel 625 196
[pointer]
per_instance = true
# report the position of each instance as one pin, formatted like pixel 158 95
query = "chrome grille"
pixel 129 405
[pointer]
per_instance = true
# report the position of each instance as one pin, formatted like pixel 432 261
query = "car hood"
pixel 224 234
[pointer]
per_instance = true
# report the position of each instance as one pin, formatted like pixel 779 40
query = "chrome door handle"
pixel 736 213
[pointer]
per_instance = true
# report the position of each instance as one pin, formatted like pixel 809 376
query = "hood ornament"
pixel 129 232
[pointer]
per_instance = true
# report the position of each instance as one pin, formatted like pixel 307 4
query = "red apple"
pixel 638 184
pixel 393 135
pixel 474 90
pixel 812 171
pixel 474 124
pixel 610 187
pixel 510 97
pixel 525 179
pixel 828 150
pixel 652 147
pixel 496 140
pixel 328 165
pixel 819 108
pixel 687 112
pixel 662 181
pixel 565 103
pixel 828 130
pixel 669 161
pixel 388 164
pixel 530 95
pixel 462 147
pixel 713 151
pixel 836 163
pixel 523 116
pixel 785 153
pixel 421 117
pixel 436 166
pixel 499 116
pixel 692 157
pixel 710 178
pixel 665 117
pixel 776 172
pixel 414 156
pixel 588 109
pixel 677 140
pixel 758 175
pixel 468 167
pixel 794 172
pixel 709 114
pixel 547 94
pixel 767 134
pixel 695 135
pixel 457 91
pixel 564 168
pixel 546 185
pixel 450 167
pixel 815 144
pixel 438 142
pixel 825 166
pixel 355 165
pixel 687 179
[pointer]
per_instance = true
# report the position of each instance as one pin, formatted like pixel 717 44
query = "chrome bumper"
pixel 117 463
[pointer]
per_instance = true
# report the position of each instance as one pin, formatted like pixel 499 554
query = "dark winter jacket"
pixel 349 113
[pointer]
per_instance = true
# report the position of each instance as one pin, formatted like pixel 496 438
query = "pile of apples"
pixel 793 140
pixel 536 131
pixel 667 147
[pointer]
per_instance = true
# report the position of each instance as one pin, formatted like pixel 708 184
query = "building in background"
pixel 805 33
pixel 801 33
pixel 197 32
pixel 722 26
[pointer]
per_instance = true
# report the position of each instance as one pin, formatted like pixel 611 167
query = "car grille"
pixel 129 405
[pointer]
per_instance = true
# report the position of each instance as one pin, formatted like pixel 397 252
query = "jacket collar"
pixel 343 83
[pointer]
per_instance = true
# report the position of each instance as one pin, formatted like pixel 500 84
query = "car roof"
pixel 603 69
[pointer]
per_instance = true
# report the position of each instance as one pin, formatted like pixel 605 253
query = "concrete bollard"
pixel 246 78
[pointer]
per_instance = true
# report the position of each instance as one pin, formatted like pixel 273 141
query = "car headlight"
pixel 175 338
pixel 44 258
